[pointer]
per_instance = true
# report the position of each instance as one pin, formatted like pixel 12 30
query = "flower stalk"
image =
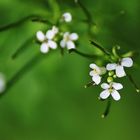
pixel 102 49
pixel 33 18
pixel 133 83
pixel 89 56
pixel 85 11
pixel 89 84
pixel 107 110
pixel 22 48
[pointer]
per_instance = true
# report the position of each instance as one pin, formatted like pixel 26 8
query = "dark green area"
pixel 50 101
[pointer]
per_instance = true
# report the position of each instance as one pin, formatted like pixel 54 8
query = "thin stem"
pixel 131 54
pixel 89 84
pixel 82 54
pixel 133 83
pixel 26 68
pixel 85 10
pixel 107 110
pixel 22 48
pixel 41 20
pixel 114 51
pixel 36 18
pixel 89 19
pixel 100 48
pixel 61 51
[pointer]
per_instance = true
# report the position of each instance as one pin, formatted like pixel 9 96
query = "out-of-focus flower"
pixel 2 83
pixel 96 73
pixel 111 89
pixel 119 68
pixel 67 17
pixel 68 40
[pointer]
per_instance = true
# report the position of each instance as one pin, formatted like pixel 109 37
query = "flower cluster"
pixel 49 40
pixel 114 70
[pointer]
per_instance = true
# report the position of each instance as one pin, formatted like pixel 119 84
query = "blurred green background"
pixel 50 102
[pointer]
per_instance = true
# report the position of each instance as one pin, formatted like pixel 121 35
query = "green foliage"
pixel 50 102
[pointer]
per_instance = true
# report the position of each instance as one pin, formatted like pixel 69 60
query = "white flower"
pixel 68 40
pixel 119 68
pixel 47 39
pixel 2 83
pixel 67 17
pixel 55 30
pixel 111 89
pixel 96 72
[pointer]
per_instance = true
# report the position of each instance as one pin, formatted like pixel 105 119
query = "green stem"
pixel 100 48
pixel 33 18
pixel 131 54
pixel 61 51
pixel 26 68
pixel 107 110
pixel 89 19
pixel 41 20
pixel 22 48
pixel 89 84
pixel 85 10
pixel 133 83
pixel 82 54
pixel 114 51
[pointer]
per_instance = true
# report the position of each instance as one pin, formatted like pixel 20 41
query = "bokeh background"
pixel 50 102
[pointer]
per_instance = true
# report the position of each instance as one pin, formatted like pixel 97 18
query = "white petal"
pixel 102 70
pixel 44 48
pixel 63 43
pixel 117 86
pixel 66 36
pixel 2 83
pixel 120 71
pixel 104 94
pixel 105 86
pixel 74 36
pixel 52 44
pixel 55 29
pixel 115 94
pixel 111 66
pixel 127 62
pixel 91 73
pixel 50 34
pixel 40 36
pixel 96 79
pixel 70 45
pixel 67 17
pixel 93 66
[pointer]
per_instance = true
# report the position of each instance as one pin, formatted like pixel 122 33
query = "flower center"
pixel 111 89
pixel 46 40
pixel 119 63
pixel 95 71
pixel 67 38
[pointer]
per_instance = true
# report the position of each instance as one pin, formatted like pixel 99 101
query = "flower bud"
pixel 111 73
pixel 114 76
pixel 109 79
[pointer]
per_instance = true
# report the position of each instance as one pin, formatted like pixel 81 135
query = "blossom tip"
pixel 85 86
pixel 102 116
pixel 76 1
pixel 138 90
